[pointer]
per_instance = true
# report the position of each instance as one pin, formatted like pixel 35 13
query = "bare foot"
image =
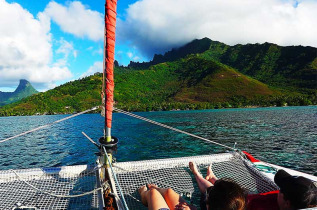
pixel 193 168
pixel 142 190
pixel 210 175
pixel 154 186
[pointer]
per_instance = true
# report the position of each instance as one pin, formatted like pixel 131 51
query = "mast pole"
pixel 108 143
pixel 103 92
pixel 109 35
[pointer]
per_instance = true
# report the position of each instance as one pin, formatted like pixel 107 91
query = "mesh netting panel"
pixel 68 180
pixel 174 173
pixel 177 177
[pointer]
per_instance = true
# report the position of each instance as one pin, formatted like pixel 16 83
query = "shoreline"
pixel 173 110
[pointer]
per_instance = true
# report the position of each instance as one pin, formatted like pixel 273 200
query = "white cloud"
pixel 98 52
pixel 26 48
pixel 76 19
pixel 65 48
pixel 132 56
pixel 96 67
pixel 156 26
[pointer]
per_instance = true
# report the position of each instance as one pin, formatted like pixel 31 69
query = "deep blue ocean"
pixel 285 136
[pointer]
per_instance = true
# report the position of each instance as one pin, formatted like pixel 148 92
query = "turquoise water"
pixel 284 136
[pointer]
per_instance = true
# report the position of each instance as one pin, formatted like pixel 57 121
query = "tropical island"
pixel 203 74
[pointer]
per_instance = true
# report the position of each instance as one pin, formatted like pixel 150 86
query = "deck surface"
pixel 15 189
pixel 174 173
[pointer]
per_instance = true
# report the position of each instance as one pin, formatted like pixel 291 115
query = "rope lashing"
pixel 116 180
pixel 47 125
pixel 171 128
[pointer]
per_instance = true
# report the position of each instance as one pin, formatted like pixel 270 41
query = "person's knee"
pixel 169 193
pixel 154 193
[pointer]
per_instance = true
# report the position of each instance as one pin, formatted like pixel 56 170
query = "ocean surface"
pixel 285 136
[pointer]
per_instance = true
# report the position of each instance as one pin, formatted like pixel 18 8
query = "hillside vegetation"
pixel 293 67
pixel 213 82
pixel 220 76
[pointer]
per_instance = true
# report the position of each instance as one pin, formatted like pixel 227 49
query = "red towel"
pixel 263 201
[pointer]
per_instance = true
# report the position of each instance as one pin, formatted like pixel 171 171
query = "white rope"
pixel 47 125
pixel 116 180
pixel 59 196
pixel 92 141
pixel 171 128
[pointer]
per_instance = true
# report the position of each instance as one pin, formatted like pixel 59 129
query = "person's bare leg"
pixel 152 198
pixel 172 198
pixel 203 184
pixel 211 177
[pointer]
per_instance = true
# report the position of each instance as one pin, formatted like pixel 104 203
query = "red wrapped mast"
pixel 109 46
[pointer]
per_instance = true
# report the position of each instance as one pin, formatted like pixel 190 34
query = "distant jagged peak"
pixel 24 90
pixel 24 84
pixel 193 47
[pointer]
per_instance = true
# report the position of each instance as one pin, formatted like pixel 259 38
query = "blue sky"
pixel 53 42
pixel 82 52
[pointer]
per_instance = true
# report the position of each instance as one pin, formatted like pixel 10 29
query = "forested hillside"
pixel 293 67
pixel 201 75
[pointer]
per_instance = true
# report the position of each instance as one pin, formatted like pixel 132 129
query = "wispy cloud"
pixel 94 51
pixel 99 51
pixel 130 54
pixel 96 67
pixel 76 19
pixel 157 26
pixel 90 48
pixel 65 48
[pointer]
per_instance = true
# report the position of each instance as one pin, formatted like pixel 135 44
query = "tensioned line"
pixel 123 112
pixel 47 125
pixel 169 127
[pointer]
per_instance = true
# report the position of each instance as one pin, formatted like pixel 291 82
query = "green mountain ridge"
pixel 292 66
pixel 186 79
pixel 24 90
pixel 194 47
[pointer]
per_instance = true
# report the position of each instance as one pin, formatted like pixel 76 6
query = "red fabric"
pixel 110 23
pixel 250 157
pixel 263 201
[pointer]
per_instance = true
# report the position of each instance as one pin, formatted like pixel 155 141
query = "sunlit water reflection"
pixel 283 136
